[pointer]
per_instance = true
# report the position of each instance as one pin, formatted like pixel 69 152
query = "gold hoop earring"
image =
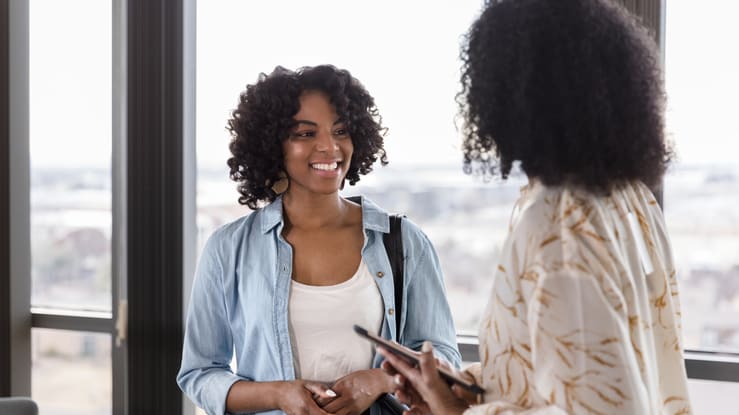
pixel 281 184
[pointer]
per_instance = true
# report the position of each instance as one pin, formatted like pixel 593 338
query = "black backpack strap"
pixel 393 242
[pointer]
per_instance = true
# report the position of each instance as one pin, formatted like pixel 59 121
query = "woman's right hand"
pixel 421 387
pixel 298 397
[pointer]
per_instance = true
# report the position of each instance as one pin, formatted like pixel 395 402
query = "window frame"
pixel 145 143
pixel 15 260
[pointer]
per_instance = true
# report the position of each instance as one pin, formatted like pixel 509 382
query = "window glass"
pixel 406 55
pixel 711 397
pixel 70 144
pixel 701 192
pixel 71 372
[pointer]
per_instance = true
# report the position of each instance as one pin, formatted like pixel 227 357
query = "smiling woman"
pixel 276 285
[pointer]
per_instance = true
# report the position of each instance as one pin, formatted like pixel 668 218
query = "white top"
pixel 325 346
pixel 584 315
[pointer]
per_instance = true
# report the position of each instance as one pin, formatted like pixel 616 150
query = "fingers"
pixel 336 405
pixel 388 368
pixel 416 410
pixel 317 411
pixel 320 390
pixel 399 380
pixel 427 361
pixel 397 363
pixel 411 398
pixel 464 394
pixel 321 401
pixel 404 396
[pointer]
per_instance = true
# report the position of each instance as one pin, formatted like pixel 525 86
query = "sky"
pixel 405 53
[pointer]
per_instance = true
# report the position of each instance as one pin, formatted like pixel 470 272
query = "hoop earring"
pixel 281 184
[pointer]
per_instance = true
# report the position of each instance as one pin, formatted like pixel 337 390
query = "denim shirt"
pixel 239 303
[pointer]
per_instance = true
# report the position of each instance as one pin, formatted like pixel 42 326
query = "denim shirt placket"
pixel 282 298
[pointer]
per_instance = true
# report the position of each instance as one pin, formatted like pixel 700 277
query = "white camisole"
pixel 325 347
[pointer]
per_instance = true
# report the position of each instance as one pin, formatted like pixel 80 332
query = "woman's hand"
pixel 357 391
pixel 299 397
pixel 421 387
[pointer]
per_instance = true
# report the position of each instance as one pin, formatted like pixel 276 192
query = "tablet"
pixel 411 356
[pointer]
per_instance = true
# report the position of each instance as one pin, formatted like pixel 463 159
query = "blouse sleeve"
pixel 582 360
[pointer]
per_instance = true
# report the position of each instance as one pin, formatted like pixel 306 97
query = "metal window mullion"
pixel 720 367
pixel 154 200
pixel 189 163
pixel 119 261
pixel 72 322
pixel 15 259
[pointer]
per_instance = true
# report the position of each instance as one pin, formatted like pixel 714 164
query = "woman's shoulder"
pixel 379 218
pixel 547 210
pixel 555 209
pixel 228 233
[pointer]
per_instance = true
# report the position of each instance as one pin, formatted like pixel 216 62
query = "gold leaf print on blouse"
pixel 548 240
pixel 574 400
pixel 660 304
pixel 645 230
pixel 544 297
pixel 511 308
pixel 531 276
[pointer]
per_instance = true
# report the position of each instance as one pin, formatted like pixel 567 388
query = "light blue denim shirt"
pixel 239 303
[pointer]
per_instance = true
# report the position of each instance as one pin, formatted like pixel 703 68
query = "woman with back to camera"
pixel 281 288
pixel 584 314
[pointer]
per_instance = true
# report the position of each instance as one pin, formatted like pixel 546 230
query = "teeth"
pixel 326 166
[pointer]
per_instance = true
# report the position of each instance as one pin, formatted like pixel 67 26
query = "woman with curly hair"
pixel 280 288
pixel 584 314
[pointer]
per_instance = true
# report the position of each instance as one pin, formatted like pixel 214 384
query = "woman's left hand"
pixel 357 391
pixel 425 383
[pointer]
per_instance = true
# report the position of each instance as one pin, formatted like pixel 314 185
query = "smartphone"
pixel 411 356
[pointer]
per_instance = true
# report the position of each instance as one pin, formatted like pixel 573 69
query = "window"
pixel 78 231
pixel 72 372
pixel 701 192
pixel 70 94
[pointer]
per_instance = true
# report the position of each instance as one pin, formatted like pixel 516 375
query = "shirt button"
pixel 380 274
pixel 391 311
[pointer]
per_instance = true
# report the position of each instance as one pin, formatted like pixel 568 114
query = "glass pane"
pixel 413 75
pixel 710 397
pixel 701 192
pixel 71 372
pixel 70 139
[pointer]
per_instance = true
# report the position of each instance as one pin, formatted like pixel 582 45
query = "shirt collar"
pixel 373 217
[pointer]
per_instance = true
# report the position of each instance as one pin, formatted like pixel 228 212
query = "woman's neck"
pixel 314 211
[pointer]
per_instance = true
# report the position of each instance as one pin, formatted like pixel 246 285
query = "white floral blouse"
pixel 584 315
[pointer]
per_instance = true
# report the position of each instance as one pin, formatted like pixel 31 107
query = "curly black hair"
pixel 264 117
pixel 572 89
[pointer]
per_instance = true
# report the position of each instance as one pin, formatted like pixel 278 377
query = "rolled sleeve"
pixel 205 375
